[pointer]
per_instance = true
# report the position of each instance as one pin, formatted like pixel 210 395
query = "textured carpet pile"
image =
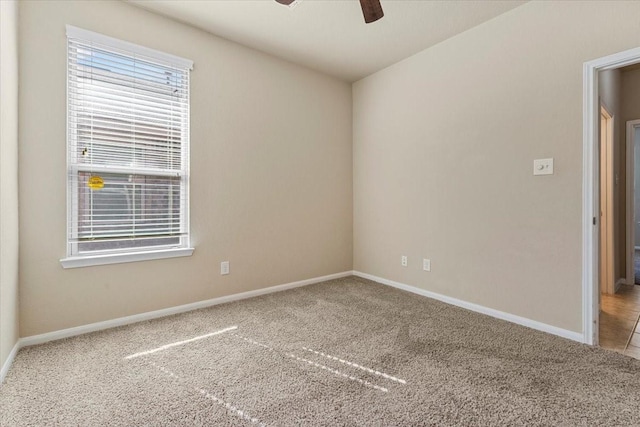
pixel 340 353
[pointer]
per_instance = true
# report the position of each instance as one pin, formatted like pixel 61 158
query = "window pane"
pixel 141 207
pixel 117 124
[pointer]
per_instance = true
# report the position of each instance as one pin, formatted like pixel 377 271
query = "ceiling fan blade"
pixel 285 2
pixel 371 9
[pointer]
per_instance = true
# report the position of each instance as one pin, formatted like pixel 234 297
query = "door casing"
pixel 607 249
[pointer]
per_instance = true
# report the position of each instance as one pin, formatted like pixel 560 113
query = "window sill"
pixel 88 261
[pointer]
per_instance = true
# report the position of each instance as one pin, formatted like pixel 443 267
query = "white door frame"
pixel 632 127
pixel 590 185
pixel 607 188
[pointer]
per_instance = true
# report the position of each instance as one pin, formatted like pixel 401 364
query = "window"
pixel 127 151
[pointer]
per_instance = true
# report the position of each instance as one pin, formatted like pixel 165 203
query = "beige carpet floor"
pixel 340 353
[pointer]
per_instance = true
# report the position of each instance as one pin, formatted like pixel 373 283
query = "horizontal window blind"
pixel 128 146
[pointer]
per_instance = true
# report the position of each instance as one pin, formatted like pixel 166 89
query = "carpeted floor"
pixel 341 353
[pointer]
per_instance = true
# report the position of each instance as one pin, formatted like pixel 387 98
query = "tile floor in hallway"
pixel 619 329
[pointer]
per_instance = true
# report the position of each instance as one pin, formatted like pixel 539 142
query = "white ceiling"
pixel 330 35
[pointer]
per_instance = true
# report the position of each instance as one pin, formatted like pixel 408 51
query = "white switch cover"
pixel 224 267
pixel 426 264
pixel 543 166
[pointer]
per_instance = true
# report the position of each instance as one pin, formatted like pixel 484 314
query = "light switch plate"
pixel 224 267
pixel 543 166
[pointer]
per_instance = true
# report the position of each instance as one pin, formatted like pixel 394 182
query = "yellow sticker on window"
pixel 95 182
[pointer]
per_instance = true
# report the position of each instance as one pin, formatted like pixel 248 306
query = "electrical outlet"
pixel 403 261
pixel 426 264
pixel 224 267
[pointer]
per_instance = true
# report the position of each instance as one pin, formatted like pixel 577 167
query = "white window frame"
pixel 74 259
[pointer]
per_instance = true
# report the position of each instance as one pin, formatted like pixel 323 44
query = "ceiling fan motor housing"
pixel 371 9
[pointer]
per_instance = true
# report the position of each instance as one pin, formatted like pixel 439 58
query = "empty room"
pixel 319 213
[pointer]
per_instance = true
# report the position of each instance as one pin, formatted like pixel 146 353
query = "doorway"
pixel 597 269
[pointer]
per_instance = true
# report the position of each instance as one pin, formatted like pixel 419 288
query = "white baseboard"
pixel 99 326
pixel 7 363
pixel 533 324
pixel 107 324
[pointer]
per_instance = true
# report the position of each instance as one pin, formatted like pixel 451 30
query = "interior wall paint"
pixel 630 110
pixel 271 170
pixel 444 143
pixel 609 91
pixel 9 330
pixel 630 103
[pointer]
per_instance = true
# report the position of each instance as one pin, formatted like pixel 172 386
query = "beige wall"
pixel 271 169
pixel 8 178
pixel 443 148
pixel 630 95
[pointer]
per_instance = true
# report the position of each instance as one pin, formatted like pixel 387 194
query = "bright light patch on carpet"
pixel 355 365
pixel 175 344
pixel 228 406
pixel 317 365
pixel 249 340
pixel 231 408
pixel 336 372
